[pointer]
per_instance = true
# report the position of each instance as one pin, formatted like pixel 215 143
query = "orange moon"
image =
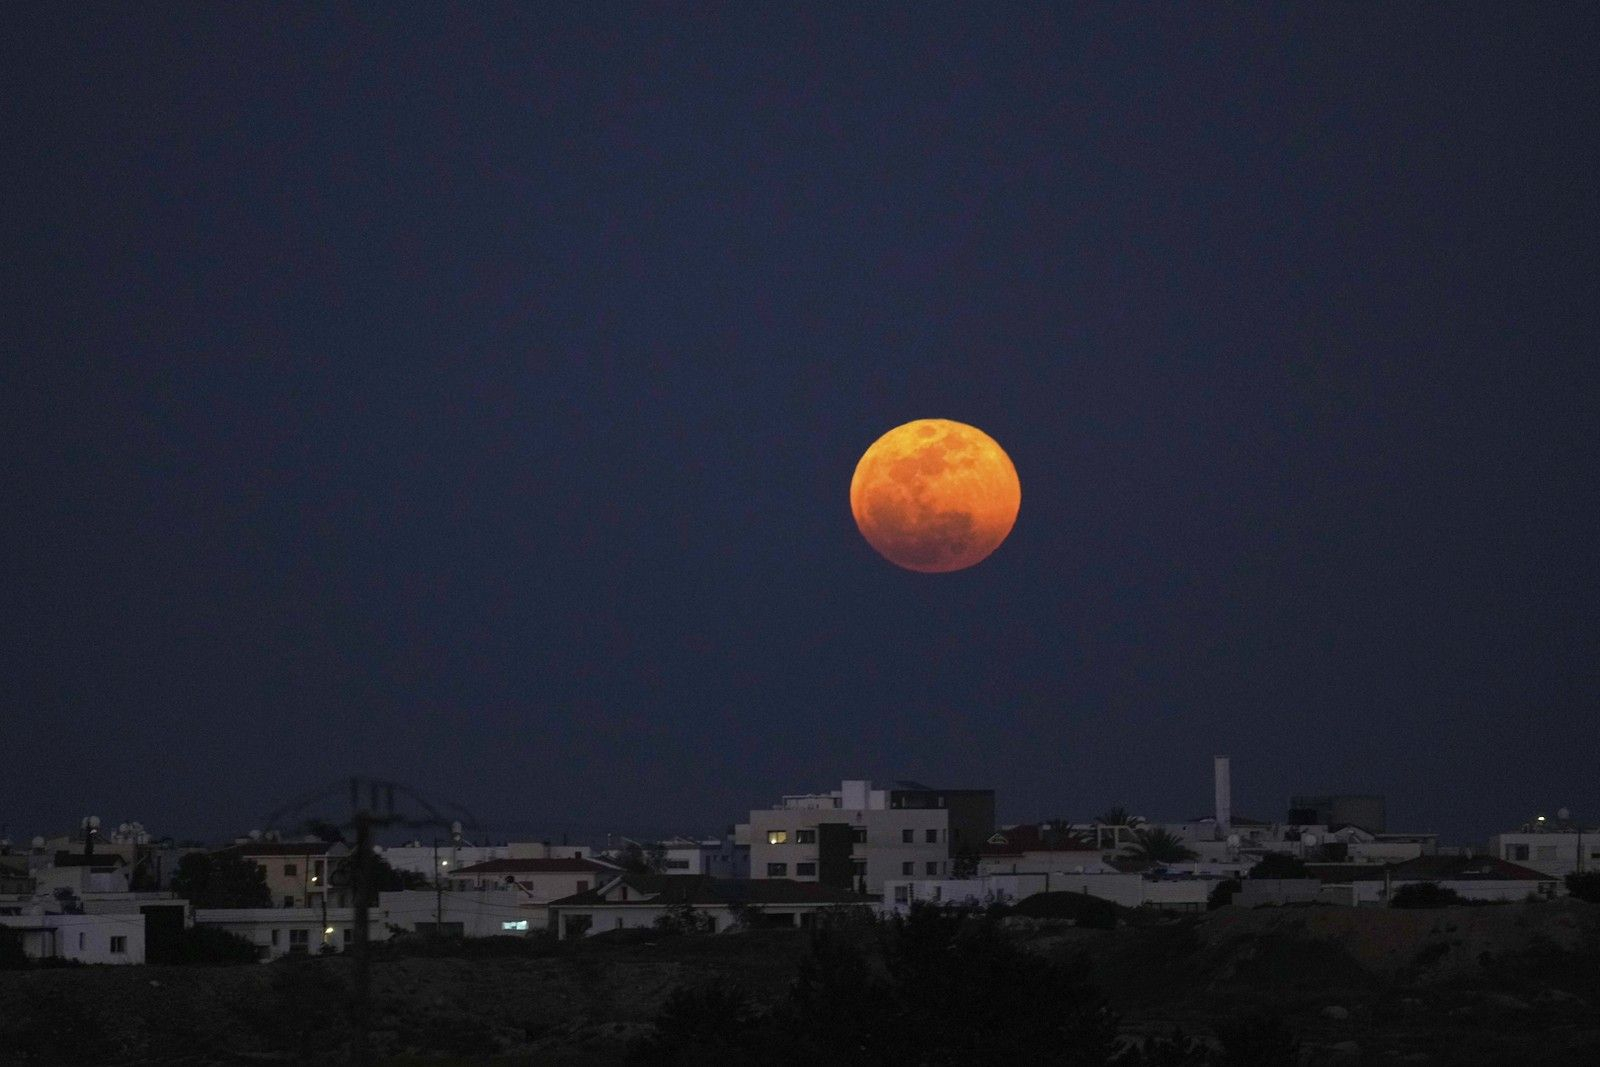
pixel 935 495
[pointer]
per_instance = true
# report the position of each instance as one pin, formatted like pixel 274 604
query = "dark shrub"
pixel 1221 895
pixel 1424 895
pixel 1585 885
pixel 207 945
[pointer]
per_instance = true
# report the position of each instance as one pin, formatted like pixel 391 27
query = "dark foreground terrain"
pixel 1511 985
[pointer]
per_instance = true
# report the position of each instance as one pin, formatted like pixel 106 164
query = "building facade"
pixel 849 839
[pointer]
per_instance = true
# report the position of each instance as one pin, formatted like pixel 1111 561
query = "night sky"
pixel 470 395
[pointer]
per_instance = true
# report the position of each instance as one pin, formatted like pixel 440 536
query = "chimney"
pixel 1224 797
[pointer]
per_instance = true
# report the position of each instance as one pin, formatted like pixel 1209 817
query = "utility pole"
pixel 438 893
pixel 372 807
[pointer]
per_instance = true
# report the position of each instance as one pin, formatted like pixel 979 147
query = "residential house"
pixel 292 930
pixel 531 882
pixel 1553 848
pixel 1478 878
pixel 106 938
pixel 299 874
pixel 634 901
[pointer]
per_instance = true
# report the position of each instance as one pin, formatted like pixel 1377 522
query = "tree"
pixel 1156 845
pixel 209 945
pixel 1424 895
pixel 685 919
pixel 640 859
pixel 1114 816
pixel 1585 885
pixel 382 878
pixel 221 880
pixel 1222 893
pixel 1279 865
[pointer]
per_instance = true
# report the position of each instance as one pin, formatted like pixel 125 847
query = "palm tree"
pixel 1116 816
pixel 1156 845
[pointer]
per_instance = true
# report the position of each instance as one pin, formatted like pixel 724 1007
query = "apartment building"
pixel 855 837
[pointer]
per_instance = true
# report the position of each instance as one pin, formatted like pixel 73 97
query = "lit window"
pixel 514 924
pixel 805 870
pixel 119 945
pixel 777 870
pixel 777 837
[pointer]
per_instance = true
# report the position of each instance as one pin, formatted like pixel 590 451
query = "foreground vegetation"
pixel 1059 981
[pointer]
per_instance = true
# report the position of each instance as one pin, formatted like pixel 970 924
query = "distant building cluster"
pixel 126 896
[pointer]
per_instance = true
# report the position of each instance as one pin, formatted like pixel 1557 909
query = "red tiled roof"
pixel 534 866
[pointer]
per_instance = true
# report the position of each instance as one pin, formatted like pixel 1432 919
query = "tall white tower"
pixel 1224 798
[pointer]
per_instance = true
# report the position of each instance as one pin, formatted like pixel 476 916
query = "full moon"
pixel 935 495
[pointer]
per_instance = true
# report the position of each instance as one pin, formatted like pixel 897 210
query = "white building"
pixel 473 913
pixel 1479 878
pixel 447 857
pixel 713 857
pixel 106 938
pixel 848 838
pixel 281 931
pixel 641 901
pixel 1555 852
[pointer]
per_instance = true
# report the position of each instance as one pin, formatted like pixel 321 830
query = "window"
pixel 80 940
pixel 907 836
pixel 907 869
pixel 520 925
pixel 858 866
pixel 275 936
pixel 299 940
pixel 805 870
pixel 902 894
pixel 933 837
pixel 777 870
pixel 288 902
pixel 290 870
pixel 805 837
pixel 119 945
pixel 583 885
pixel 858 834
pixel 777 837
pixel 933 868
pixel 1519 852
pixel 349 934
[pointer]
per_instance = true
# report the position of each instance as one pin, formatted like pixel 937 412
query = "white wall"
pixel 481 913
pixel 84 938
pixel 257 925
pixel 1553 853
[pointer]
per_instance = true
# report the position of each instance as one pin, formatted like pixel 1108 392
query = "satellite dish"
pixel 1563 814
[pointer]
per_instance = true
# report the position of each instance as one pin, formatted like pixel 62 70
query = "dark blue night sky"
pixel 469 395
